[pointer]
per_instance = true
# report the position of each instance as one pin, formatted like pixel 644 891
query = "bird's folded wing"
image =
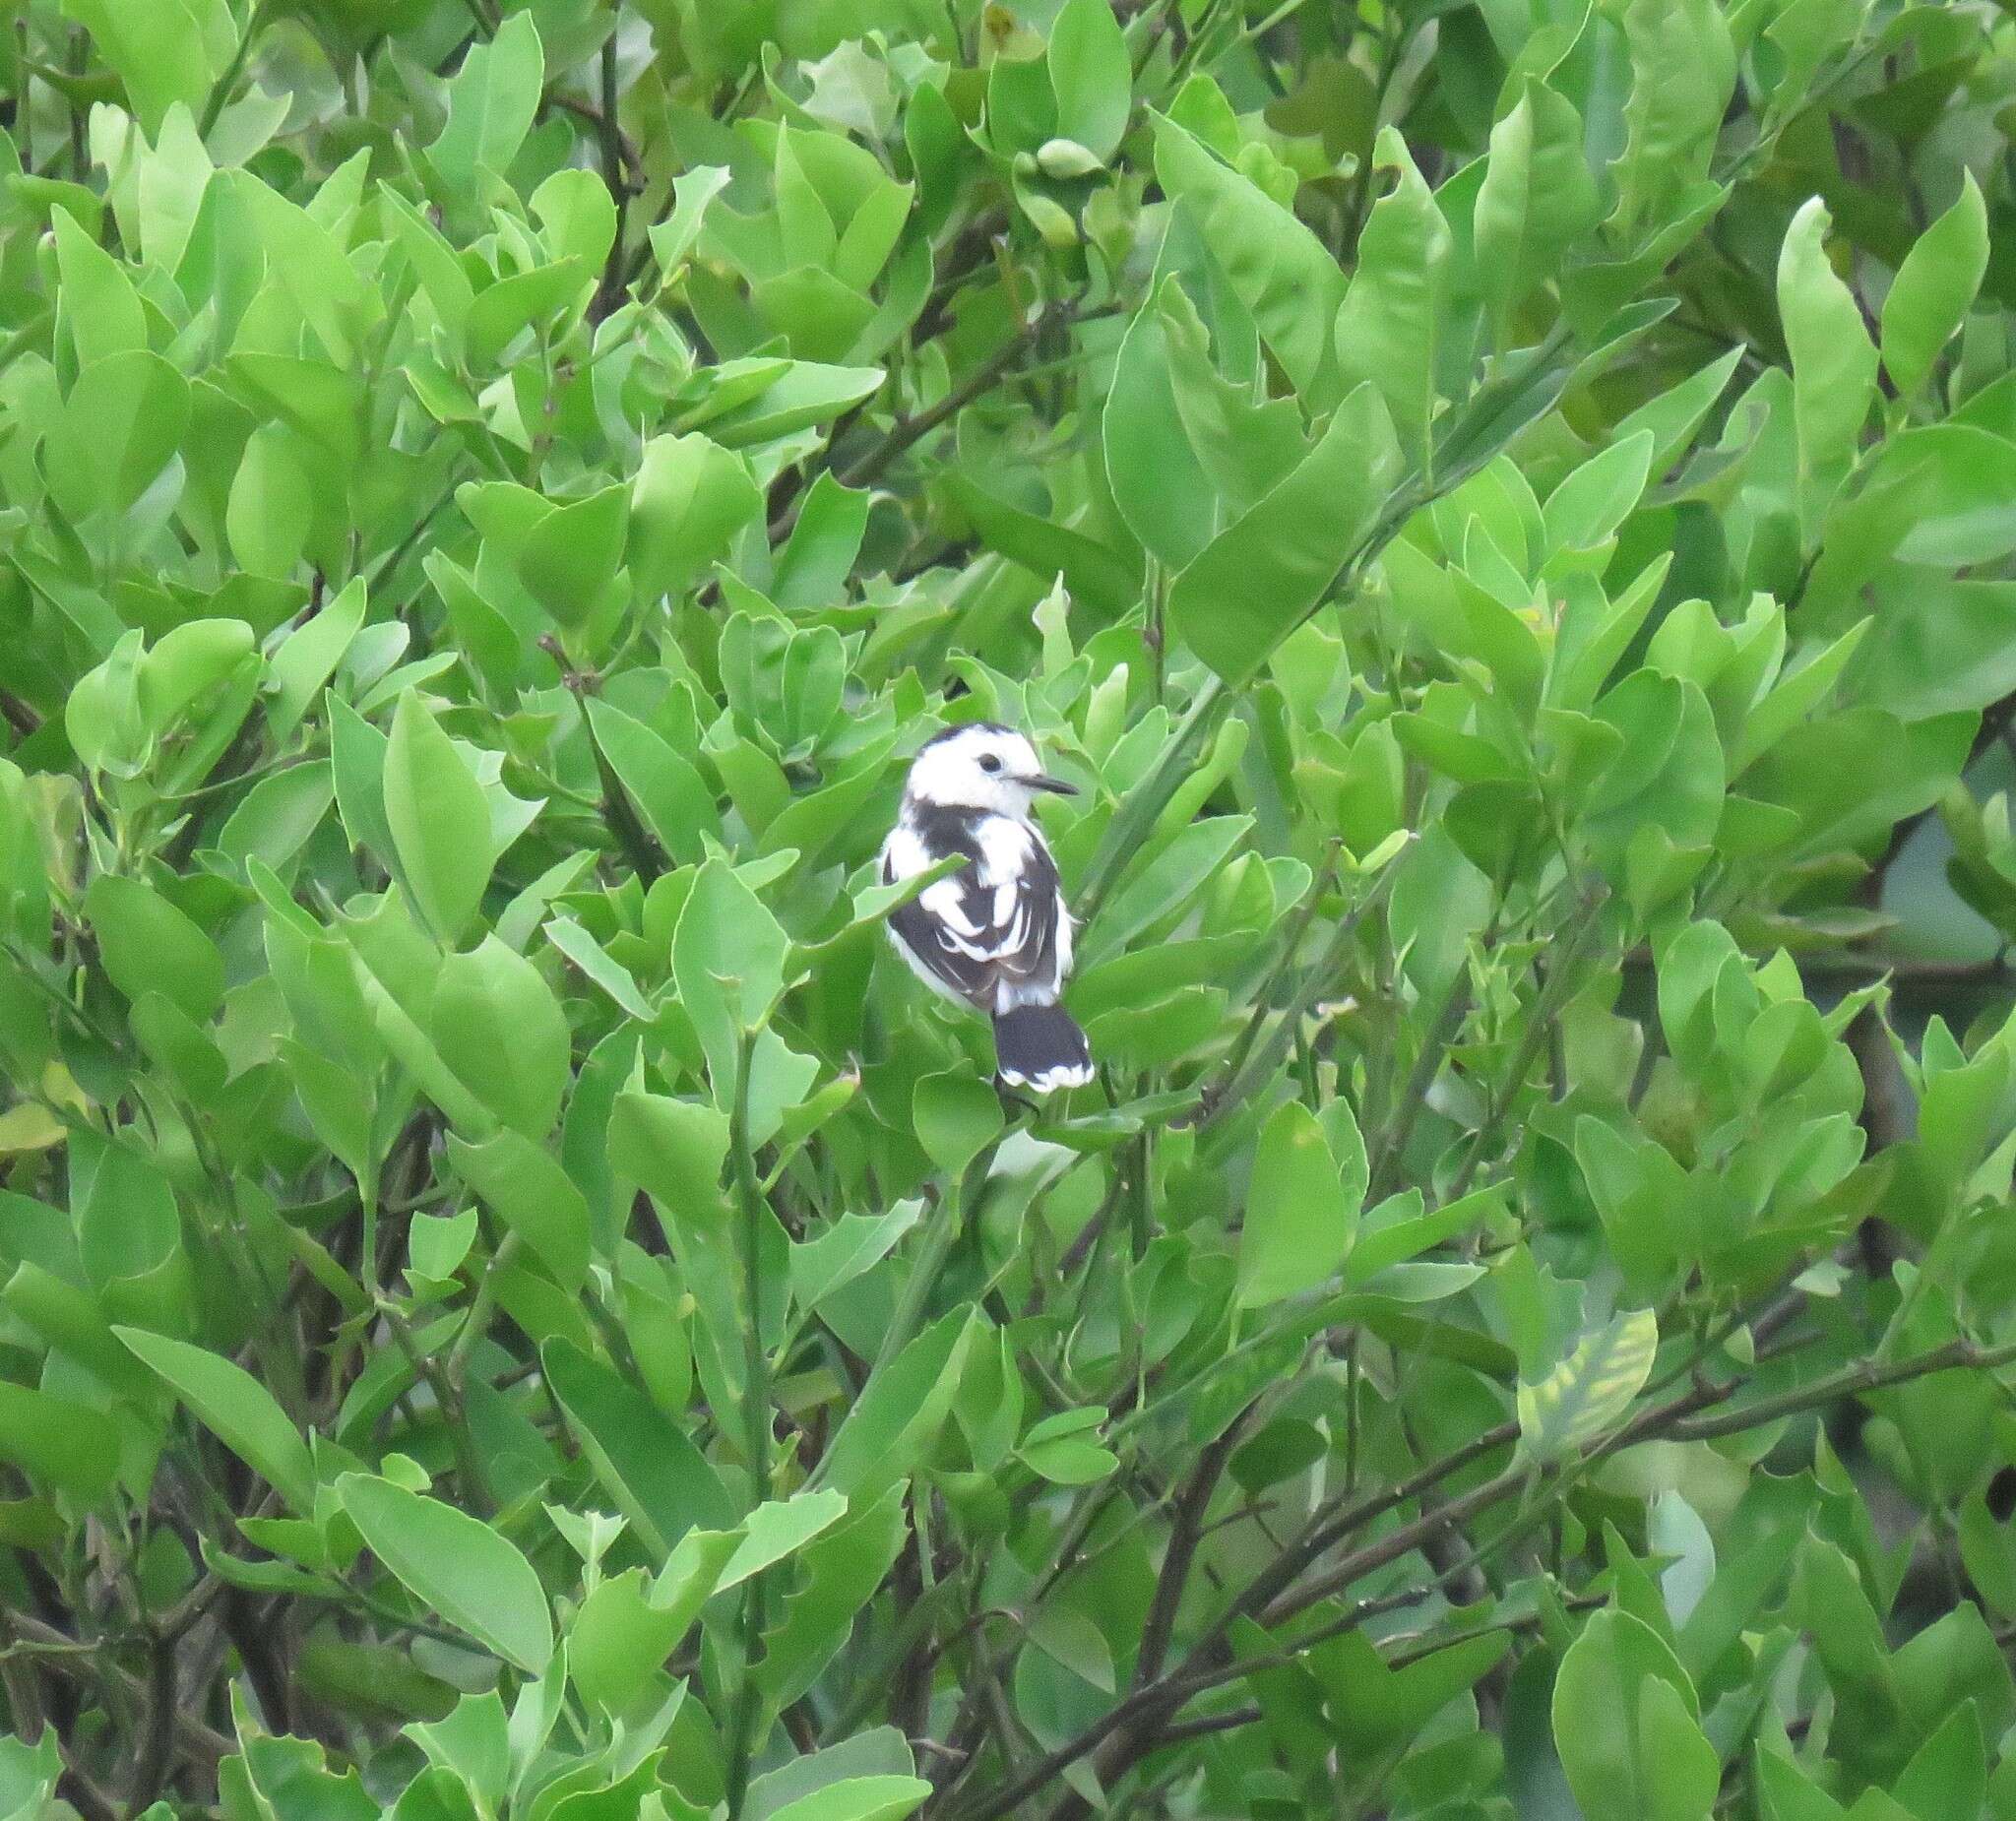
pixel 976 933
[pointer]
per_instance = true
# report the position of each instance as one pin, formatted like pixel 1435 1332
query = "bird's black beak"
pixel 1056 786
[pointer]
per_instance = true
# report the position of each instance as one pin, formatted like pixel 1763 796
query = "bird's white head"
pixel 981 765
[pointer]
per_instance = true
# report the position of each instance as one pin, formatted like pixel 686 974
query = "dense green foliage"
pixel 514 1307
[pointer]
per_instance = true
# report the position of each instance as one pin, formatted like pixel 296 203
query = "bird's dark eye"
pixel 989 762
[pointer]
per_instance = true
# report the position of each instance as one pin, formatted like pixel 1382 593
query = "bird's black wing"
pixel 1012 936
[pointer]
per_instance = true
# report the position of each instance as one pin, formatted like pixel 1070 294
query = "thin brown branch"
pixel 1138 1723
pixel 154 1753
pixel 1852 1381
pixel 19 715
pixel 1177 1559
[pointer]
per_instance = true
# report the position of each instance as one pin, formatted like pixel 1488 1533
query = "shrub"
pixel 513 1303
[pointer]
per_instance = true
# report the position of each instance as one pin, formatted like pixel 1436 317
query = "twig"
pixel 19 715
pixel 478 1322
pixel 1176 1559
pixel 221 89
pixel 1852 1381
pixel 1137 1724
pixel 903 435
pixel 1230 1092
pixel 618 812
pixel 448 1398
pixel 616 154
pixel 157 1745
pixel 1391 1145
pixel 84 1796
pixel 756 1417
pixel 1547 1007
pixel 77 1662
pixel 630 173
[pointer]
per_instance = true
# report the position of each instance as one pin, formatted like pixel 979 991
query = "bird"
pixel 995 935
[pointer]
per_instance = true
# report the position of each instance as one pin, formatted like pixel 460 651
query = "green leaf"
pixel 899 1415
pixel 533 1196
pixel 1398 1230
pixel 463 1569
pixel 1279 269
pixel 1261 577
pixel 573 553
pixel 1947 1778
pixel 575 215
pixel 660 1481
pixel 1684 71
pixel 120 426
pixel 1072 1639
pixel 500 1028
pixel 957 1118
pixel 1792 1794
pixel 436 1244
pixel 670 793
pixel 805 393
pixel 689 501
pixel 166 53
pixel 1934 288
pixel 673 1150
pixel 728 960
pixel 1172 873
pixel 1833 361
pixel 1537 200
pixel 1390 322
pixel 308 657
pixel 188 664
pixel 1379 1708
pixel 778 1529
pixel 859 1799
pixel 1064 1450
pixel 596 962
pixel 813 565
pixel 100 303
pixel 1589 505
pixel 1302 1210
pixel 1685 1772
pixel 148 945
pixel 618 1640
pixel 438 818
pixel 491 103
pixel 473 1744
pixel 68 1317
pixel 28 1775
pixel 229 1401
pixel 271 505
pixel 503 312
pixel 1159 483
pixel 62 1444
pixel 1677 414
pixel 1582 1398
pixel 828 1262
pixel 1093 573
pixel 1625 1722
pixel 1091 74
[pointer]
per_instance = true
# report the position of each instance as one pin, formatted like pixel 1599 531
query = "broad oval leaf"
pixel 1301 1215
pixel 238 1408
pixel 463 1569
pixel 438 818
pixel 1583 1398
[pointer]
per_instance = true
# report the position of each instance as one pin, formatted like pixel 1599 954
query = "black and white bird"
pixel 996 934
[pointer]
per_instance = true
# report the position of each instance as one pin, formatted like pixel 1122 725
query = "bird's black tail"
pixel 1041 1047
